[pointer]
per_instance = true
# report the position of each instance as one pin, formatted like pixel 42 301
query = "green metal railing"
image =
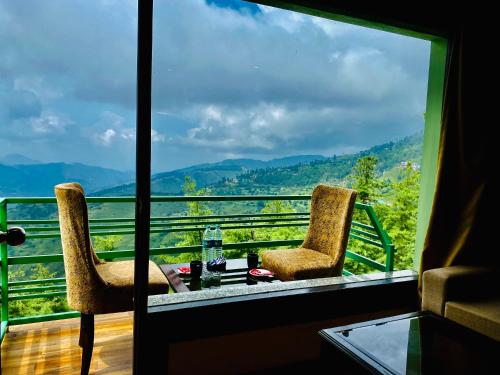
pixel 370 233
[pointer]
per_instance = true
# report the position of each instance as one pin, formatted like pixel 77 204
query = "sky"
pixel 230 80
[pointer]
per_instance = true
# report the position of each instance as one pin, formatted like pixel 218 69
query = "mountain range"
pixel 39 179
pixel 232 176
pixel 170 183
pixel 17 159
pixel 335 170
pixel 19 177
pixel 287 175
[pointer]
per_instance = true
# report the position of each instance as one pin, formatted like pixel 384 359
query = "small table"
pixel 416 343
pixel 236 273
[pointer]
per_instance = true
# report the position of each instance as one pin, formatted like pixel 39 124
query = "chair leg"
pixel 86 340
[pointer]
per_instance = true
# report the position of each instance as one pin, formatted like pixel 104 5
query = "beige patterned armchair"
pixel 94 286
pixel 323 251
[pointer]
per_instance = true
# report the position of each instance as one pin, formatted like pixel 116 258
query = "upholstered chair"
pixel 323 251
pixel 94 286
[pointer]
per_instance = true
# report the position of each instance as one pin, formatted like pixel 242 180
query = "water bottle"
pixel 205 248
pixel 218 265
pixel 213 278
pixel 211 244
pixel 218 242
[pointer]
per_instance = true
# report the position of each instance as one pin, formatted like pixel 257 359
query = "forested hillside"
pixel 334 170
pixel 170 183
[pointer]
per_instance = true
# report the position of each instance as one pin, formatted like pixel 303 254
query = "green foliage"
pixel 335 170
pixel 264 234
pixel 190 238
pixel 397 212
pixel 193 209
pixel 39 306
pixel 232 235
pixel 364 181
pixel 179 258
pixel 106 243
pixel 399 215
pixel 281 233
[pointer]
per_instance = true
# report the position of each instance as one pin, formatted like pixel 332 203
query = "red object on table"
pixel 260 272
pixel 184 270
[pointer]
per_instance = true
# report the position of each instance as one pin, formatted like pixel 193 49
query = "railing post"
pixel 4 264
pixel 389 257
pixel 389 247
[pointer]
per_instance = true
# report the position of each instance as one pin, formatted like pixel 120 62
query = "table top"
pixel 416 343
pixel 236 273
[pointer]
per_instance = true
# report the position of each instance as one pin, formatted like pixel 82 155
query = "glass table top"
pixel 422 344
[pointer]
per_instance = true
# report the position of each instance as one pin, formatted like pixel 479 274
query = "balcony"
pixel 52 347
pixel 366 230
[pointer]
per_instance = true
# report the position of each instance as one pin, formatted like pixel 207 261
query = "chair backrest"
pixel 330 222
pixel 82 278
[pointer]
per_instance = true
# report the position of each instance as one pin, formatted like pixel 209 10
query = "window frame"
pixel 437 70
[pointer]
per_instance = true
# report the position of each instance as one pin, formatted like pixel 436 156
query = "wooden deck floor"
pixel 52 347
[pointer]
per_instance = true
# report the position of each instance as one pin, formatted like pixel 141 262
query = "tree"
pixel 364 179
pixel 368 187
pixel 397 211
pixel 399 217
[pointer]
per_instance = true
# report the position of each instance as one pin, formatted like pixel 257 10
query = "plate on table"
pixel 184 270
pixel 260 272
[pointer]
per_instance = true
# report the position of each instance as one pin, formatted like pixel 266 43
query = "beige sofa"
pixel 468 295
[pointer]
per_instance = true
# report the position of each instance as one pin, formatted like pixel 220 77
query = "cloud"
pixel 112 127
pixel 277 56
pixel 157 137
pixel 228 79
pixel 106 138
pixel 266 128
pixel 22 119
pixel 109 127
pixel 49 123
pixel 128 134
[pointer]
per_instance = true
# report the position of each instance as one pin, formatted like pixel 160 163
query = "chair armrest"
pixel 440 285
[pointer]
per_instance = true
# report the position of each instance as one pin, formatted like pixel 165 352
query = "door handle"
pixel 14 236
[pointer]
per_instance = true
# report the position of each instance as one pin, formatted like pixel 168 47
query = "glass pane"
pixel 67 114
pixel 260 102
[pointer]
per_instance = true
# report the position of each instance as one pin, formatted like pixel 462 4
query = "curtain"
pixel 461 223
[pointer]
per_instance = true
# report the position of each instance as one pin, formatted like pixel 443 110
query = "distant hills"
pixel 16 159
pixel 39 179
pixel 248 176
pixel 334 170
pixel 170 183
pixel 20 177
pixel 232 176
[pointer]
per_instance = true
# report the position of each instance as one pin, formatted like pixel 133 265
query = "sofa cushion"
pixel 482 316
pixel 441 285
